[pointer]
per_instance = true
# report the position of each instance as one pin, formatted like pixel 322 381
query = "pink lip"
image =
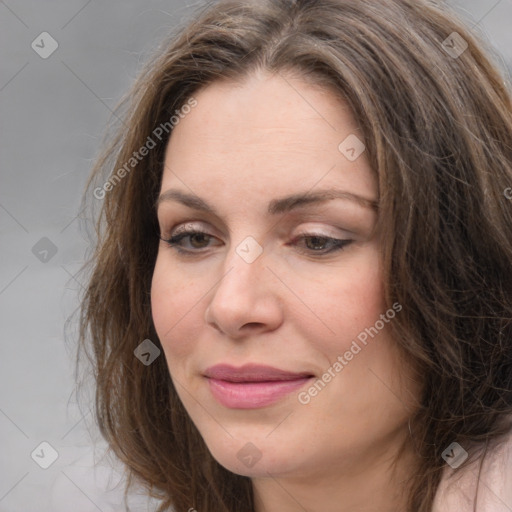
pixel 252 386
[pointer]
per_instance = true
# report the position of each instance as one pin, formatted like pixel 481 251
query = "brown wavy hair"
pixel 438 132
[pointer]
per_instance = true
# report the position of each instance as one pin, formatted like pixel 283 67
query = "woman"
pixel 301 297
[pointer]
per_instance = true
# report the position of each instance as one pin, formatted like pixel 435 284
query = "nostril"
pixel 253 325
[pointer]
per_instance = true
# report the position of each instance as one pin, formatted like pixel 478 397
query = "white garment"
pixel 458 488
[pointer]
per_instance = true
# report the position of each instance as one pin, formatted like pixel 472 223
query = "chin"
pixel 253 456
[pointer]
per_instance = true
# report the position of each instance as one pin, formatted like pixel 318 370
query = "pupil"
pixel 317 245
pixel 198 236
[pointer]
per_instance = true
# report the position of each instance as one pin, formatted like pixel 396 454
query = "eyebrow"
pixel 276 206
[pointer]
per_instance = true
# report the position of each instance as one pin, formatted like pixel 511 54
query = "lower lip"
pixel 251 395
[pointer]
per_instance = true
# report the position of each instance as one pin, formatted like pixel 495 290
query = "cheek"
pixel 364 297
pixel 347 300
pixel 175 310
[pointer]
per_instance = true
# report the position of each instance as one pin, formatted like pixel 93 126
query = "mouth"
pixel 252 386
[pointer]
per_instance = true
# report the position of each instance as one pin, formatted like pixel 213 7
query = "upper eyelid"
pixel 360 226
pixel 304 233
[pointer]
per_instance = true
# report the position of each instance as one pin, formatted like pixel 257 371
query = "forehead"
pixel 268 134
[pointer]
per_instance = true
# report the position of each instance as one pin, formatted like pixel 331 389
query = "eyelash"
pixel 337 244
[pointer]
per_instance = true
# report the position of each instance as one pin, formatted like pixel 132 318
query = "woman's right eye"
pixel 197 240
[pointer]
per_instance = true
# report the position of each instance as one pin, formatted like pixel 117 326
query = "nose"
pixel 246 299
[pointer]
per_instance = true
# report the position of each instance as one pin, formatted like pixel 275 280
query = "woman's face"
pixel 283 272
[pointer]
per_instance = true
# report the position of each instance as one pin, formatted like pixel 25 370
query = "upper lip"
pixel 252 373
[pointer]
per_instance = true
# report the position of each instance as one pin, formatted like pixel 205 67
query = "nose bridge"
pixel 244 266
pixel 243 295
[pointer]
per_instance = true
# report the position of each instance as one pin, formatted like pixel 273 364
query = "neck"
pixel 376 484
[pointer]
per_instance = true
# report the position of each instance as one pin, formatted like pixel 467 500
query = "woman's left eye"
pixel 321 244
pixel 315 244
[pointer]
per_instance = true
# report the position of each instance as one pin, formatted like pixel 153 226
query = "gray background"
pixel 52 116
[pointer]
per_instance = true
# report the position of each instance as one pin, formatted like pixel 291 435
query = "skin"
pixel 242 146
